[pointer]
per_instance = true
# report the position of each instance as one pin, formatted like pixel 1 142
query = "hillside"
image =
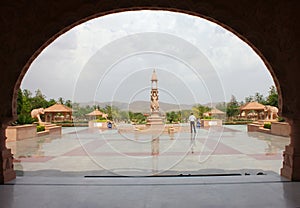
pixel 140 106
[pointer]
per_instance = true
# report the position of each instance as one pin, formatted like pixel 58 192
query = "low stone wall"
pixel 212 122
pixel 280 128
pixel 55 130
pixel 253 127
pixel 277 128
pixel 16 133
pixel 102 125
pixel 43 133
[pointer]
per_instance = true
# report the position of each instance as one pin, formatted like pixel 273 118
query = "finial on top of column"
pixel 154 77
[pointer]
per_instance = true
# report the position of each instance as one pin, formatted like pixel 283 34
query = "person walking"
pixel 192 120
pixel 198 123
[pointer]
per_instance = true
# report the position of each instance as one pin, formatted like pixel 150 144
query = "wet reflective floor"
pixel 92 152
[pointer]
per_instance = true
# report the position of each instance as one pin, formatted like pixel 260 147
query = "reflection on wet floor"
pixel 83 151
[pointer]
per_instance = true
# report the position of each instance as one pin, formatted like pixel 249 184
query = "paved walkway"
pixel 90 152
pixel 189 192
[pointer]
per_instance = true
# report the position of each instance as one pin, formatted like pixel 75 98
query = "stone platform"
pixel 155 119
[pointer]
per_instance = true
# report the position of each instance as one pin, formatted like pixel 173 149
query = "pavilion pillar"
pixel 7 172
pixel 291 161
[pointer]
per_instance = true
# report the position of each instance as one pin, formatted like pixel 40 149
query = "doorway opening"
pixel 106 64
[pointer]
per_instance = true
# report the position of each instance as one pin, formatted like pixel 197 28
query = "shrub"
pixel 280 119
pixel 24 119
pixel 207 118
pixel 40 128
pixel 100 120
pixel 267 125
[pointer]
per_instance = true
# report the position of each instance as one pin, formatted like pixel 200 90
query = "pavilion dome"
pixel 252 106
pixel 58 108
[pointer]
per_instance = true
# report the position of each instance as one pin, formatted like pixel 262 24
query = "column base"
pixel 291 164
pixel 7 166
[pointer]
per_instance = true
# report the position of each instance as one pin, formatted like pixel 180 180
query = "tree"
pixel 173 116
pixel 259 98
pixel 108 110
pixel 68 103
pixel 24 107
pixel 51 102
pixel 184 115
pixel 137 118
pixel 221 106
pixel 232 107
pixel 249 99
pixel 26 103
pixel 61 100
pixel 39 100
pixel 200 110
pixel 272 98
pixel 19 101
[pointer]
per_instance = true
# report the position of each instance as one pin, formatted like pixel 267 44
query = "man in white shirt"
pixel 192 120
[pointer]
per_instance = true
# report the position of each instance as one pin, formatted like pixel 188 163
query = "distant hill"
pixel 141 106
pixel 144 106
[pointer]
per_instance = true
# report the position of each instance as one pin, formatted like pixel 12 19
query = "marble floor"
pixel 88 152
pixel 217 167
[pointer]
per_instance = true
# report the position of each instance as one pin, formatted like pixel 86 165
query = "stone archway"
pixel 268 27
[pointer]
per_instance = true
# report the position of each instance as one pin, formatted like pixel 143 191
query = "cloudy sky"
pixel 111 58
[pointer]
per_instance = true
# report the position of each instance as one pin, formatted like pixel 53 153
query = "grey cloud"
pixel 225 59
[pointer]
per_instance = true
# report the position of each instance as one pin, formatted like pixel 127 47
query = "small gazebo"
pixel 57 113
pixel 216 113
pixel 253 109
pixel 94 114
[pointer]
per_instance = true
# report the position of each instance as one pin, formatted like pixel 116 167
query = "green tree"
pixel 61 100
pixel 39 100
pixel 108 110
pixel 232 107
pixel 116 116
pixel 137 118
pixel 51 102
pixel 259 98
pixel 200 110
pixel 272 98
pixel 81 111
pixel 249 99
pixel 19 101
pixel 24 107
pixel 26 103
pixel 179 116
pixel 68 103
pixel 124 116
pixel 221 106
pixel 185 115
pixel 173 116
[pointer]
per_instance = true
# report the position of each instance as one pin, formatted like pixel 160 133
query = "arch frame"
pixel 269 28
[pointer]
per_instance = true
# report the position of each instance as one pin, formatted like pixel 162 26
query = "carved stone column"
pixel 291 161
pixel 7 172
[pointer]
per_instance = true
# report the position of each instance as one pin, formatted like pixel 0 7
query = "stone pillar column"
pixel 291 161
pixel 7 172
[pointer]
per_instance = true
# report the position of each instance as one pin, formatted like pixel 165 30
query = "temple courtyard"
pixel 81 152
